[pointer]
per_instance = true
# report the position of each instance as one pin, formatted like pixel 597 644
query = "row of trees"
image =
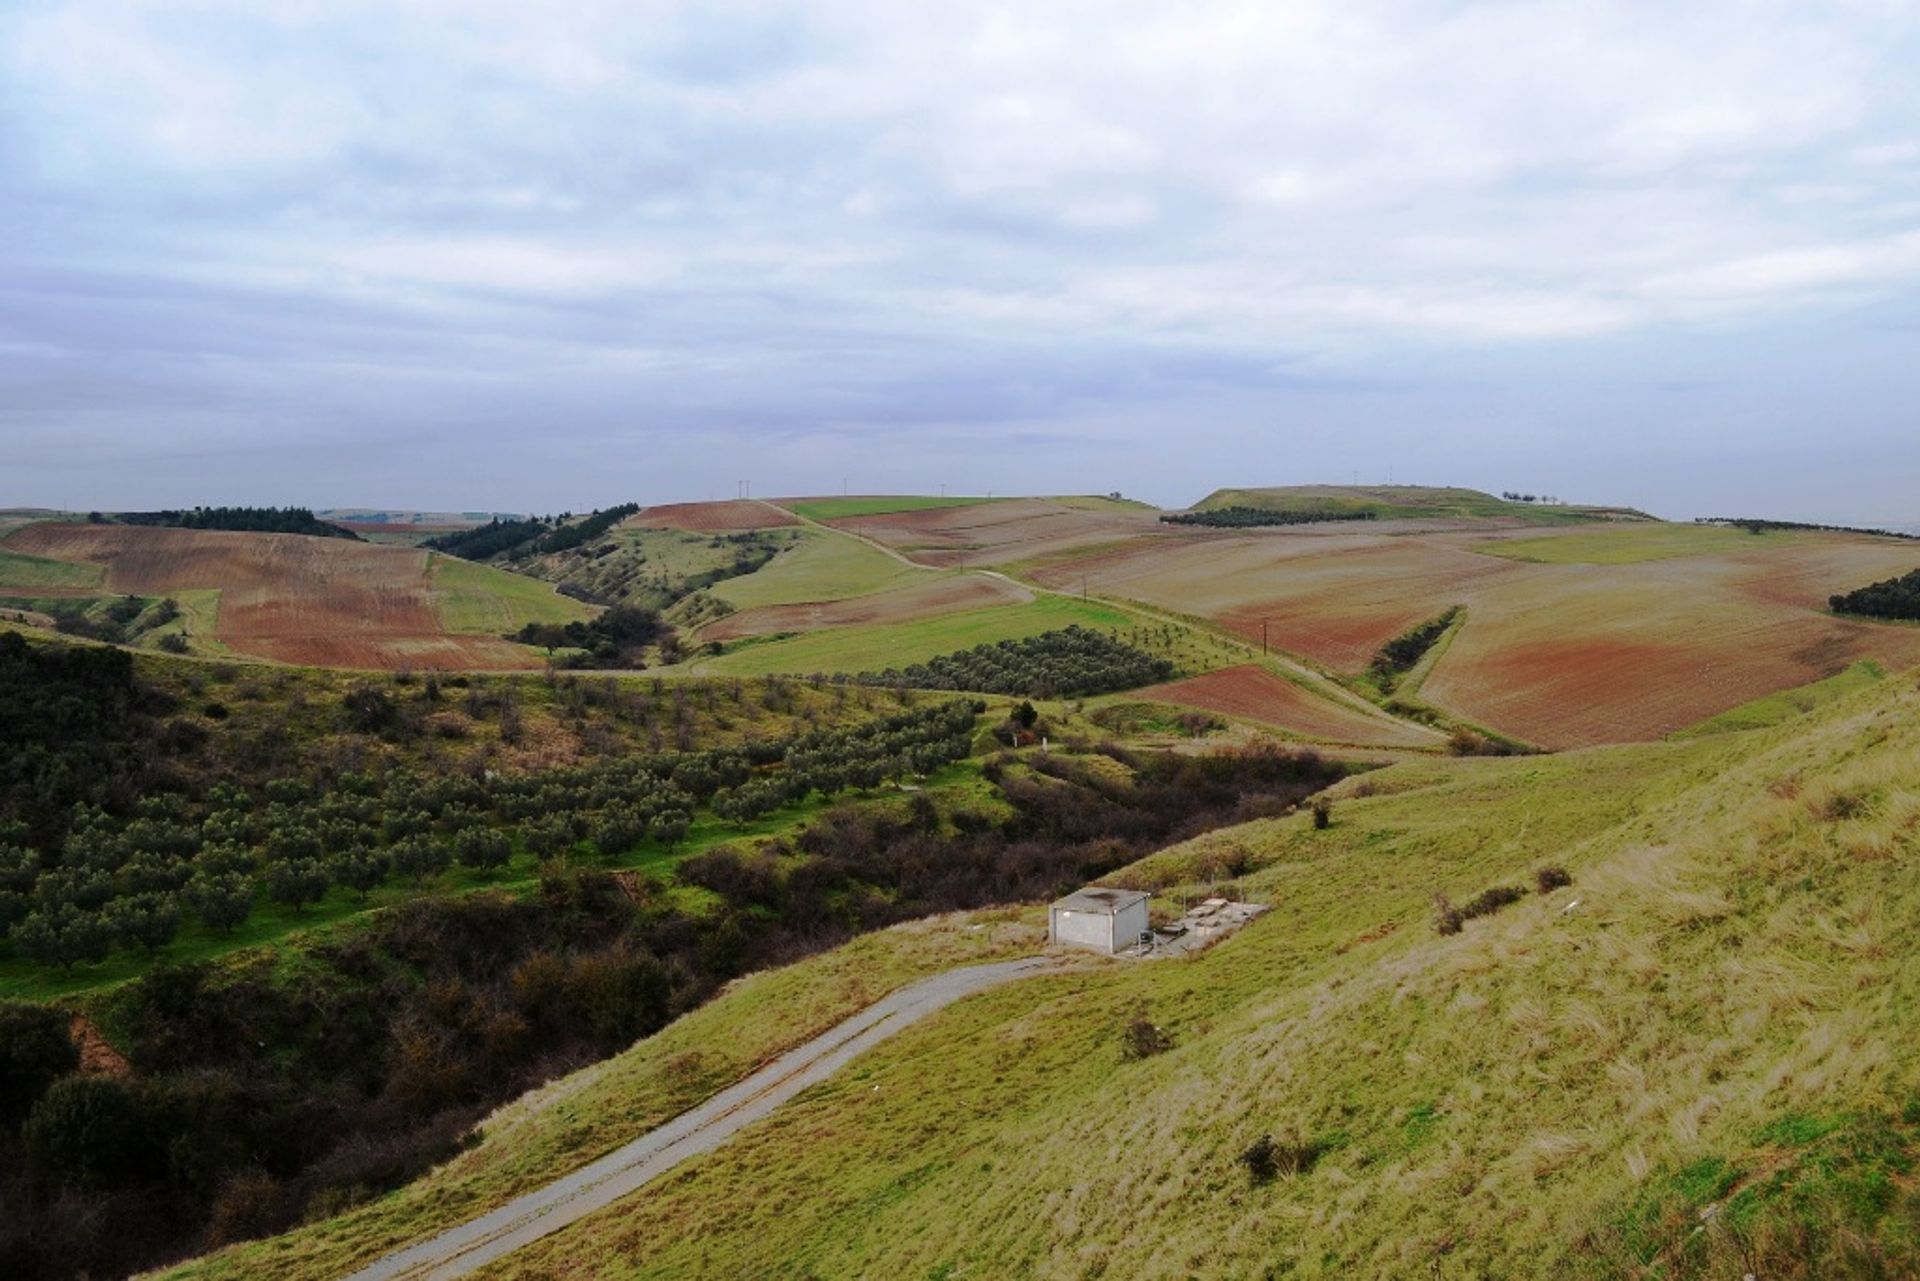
pixel 483 542
pixel 568 537
pixel 264 520
pixel 1067 663
pixel 1515 496
pixel 1398 656
pixel 1248 517
pixel 111 883
pixel 1754 525
pixel 1897 598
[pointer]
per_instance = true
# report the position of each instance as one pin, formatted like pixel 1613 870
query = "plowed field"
pixel 1256 694
pixel 285 597
pixel 713 518
pixel 1559 654
pixel 998 533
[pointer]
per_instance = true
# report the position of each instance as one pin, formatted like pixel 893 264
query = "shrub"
pixel 1322 813
pixel 1447 919
pixel 1550 878
pixel 1487 902
pixel 35 1051
pixel 87 1131
pixel 1267 1157
pixel 1144 1038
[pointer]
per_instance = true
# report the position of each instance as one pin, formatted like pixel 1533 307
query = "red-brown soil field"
pixel 997 533
pixel 922 600
pixel 286 597
pixel 1256 694
pixel 713 518
pixel 1561 655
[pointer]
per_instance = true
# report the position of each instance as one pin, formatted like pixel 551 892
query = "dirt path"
pixel 528 1218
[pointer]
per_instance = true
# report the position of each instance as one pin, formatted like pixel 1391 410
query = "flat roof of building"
pixel 1104 902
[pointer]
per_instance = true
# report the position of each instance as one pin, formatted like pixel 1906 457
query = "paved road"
pixel 528 1218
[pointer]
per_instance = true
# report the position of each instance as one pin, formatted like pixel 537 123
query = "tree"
pixel 87 1131
pixel 420 857
pixel 669 827
pixel 150 919
pixel 35 1051
pixel 63 934
pixel 223 899
pixel 297 882
pixel 360 869
pixel 482 847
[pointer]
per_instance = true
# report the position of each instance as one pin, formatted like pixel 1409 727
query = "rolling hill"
pixel 283 597
pixel 1694 1060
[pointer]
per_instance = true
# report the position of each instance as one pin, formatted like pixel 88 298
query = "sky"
pixel 554 256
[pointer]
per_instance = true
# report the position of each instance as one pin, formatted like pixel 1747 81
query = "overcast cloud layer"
pixel 559 255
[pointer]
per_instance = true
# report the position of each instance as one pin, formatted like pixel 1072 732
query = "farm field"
pixel 1695 1051
pixel 1559 654
pixel 875 647
pixel 1630 544
pixel 1005 531
pixel 831 509
pixel 710 518
pixel 1411 502
pixel 935 596
pixel 1251 692
pixel 21 574
pixel 818 566
pixel 295 599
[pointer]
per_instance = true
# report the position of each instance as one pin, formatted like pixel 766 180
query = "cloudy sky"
pixel 559 255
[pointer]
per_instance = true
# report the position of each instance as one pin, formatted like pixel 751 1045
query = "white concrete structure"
pixel 1103 920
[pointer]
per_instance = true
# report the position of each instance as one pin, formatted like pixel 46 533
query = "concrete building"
pixel 1099 919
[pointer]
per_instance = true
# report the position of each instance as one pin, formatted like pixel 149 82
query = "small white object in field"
pixel 1569 907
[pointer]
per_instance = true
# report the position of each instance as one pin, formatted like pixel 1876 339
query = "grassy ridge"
pixel 1409 502
pixel 1716 1013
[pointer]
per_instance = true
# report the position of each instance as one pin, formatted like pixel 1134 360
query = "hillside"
pixel 283 597
pixel 1409 502
pixel 1695 1060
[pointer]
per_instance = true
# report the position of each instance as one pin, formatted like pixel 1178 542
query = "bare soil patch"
pixel 1000 532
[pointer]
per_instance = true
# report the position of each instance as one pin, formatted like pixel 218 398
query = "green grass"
pixel 818 567
pixel 1773 709
pixel 841 508
pixel 1409 502
pixel 22 572
pixel 1725 1017
pixel 883 645
pixel 480 600
pixel 1628 544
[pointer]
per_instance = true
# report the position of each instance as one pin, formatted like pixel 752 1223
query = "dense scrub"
pixel 1897 598
pixel 1249 517
pixel 1399 655
pixel 567 537
pixel 269 1092
pixel 614 639
pixel 264 520
pixel 1066 663
pixel 484 542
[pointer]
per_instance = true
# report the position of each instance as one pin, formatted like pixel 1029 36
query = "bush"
pixel 1550 878
pixel 1267 1157
pixel 1487 902
pixel 1144 1038
pixel 35 1051
pixel 88 1132
pixel 1322 813
pixel 1447 919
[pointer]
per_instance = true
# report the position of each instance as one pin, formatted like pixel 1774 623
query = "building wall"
pixel 1129 925
pixel 1083 929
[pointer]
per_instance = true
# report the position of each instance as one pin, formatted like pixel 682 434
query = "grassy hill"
pixel 1408 502
pixel 1696 1060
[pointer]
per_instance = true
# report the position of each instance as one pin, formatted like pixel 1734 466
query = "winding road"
pixel 541 1213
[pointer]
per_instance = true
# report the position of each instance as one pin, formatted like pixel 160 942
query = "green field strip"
pixel 479 600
